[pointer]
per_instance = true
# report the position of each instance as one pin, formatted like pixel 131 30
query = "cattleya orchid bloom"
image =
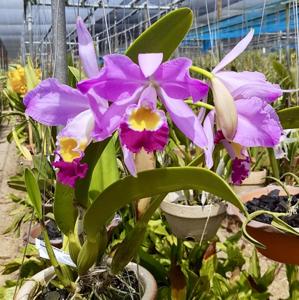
pixel 258 125
pixel 55 104
pixel 134 91
pixel 228 86
pixel 52 103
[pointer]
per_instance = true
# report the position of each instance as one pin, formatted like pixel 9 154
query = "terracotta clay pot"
pixel 31 286
pixel 281 247
pixel 255 180
pixel 199 222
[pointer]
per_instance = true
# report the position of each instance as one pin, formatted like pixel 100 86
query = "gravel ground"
pixel 10 245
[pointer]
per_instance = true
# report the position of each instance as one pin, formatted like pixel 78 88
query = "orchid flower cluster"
pixel 128 98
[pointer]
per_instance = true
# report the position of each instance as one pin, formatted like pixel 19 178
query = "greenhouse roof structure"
pixel 123 20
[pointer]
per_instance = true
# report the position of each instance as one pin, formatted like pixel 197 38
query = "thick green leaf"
pixel 91 157
pixel 152 183
pixel 65 211
pixel 105 171
pixel 289 117
pixel 129 247
pixel 91 251
pixel 25 152
pixel 209 266
pixel 220 286
pixel 76 73
pixel 153 265
pixel 268 276
pixel 254 266
pixel 31 79
pixel 163 36
pixel 33 193
pixel 293 275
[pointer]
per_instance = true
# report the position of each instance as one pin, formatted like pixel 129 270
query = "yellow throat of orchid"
pixel 144 119
pixel 69 148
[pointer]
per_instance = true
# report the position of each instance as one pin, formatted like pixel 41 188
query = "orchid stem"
pixel 59 270
pixel 200 104
pixel 273 163
pixel 202 72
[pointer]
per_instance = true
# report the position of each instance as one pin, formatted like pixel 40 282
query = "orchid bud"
pixel 86 50
pixel 226 112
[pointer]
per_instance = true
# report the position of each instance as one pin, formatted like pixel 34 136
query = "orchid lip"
pixel 144 127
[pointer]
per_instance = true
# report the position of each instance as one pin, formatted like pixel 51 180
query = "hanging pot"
pixel 197 222
pixel 255 180
pixel 31 286
pixel 280 246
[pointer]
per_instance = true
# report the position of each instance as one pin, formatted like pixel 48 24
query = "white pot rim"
pixel 147 280
pixel 169 206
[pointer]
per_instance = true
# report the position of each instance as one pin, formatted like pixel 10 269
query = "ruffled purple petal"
pixel 149 63
pixel 244 85
pixel 265 91
pixel 86 50
pixel 79 127
pixel 151 140
pixel 119 79
pixel 173 76
pixel 258 124
pixel 52 103
pixel 235 52
pixel 240 170
pixel 78 130
pixel 70 172
pixel 233 80
pixel 185 119
pixel 108 122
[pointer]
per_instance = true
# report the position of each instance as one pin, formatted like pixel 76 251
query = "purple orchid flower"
pixel 228 86
pixel 243 85
pixel 134 90
pixel 70 172
pixel 55 104
pixel 257 125
pixel 52 103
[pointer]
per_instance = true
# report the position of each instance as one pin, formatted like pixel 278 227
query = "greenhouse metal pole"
pixel 287 12
pixel 59 40
pixel 29 28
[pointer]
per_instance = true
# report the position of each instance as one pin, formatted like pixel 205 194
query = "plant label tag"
pixel 60 255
